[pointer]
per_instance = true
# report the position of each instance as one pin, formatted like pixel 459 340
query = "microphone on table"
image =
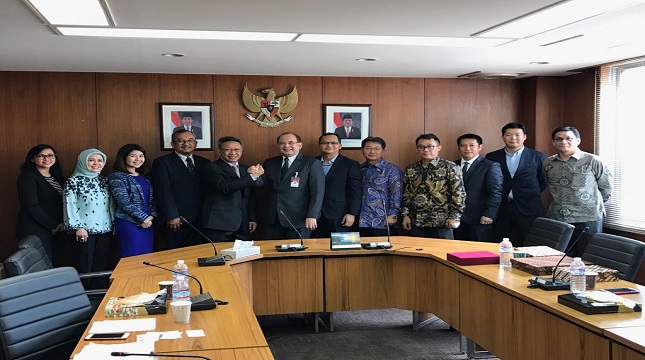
pixel 199 302
pixel 553 283
pixel 383 245
pixel 122 353
pixel 291 247
pixel 216 260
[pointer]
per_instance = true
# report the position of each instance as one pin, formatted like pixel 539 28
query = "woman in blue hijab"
pixel 88 212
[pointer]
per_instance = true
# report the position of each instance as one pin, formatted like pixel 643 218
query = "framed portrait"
pixel 197 118
pixel 350 122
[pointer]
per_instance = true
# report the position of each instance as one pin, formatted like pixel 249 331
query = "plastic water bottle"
pixel 180 289
pixel 505 253
pixel 577 278
pixel 181 267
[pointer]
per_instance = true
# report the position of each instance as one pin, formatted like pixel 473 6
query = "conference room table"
pixel 489 305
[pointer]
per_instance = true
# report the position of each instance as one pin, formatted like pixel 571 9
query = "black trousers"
pixel 512 224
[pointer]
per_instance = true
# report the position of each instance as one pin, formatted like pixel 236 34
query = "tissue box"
pixel 241 252
pixel 604 274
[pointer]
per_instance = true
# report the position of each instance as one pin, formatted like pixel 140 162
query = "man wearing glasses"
pixel 176 189
pixel 296 189
pixel 434 197
pixel 229 186
pixel 343 185
pixel 580 184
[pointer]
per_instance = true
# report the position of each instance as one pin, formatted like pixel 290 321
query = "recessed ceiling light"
pixel 173 54
pixel 539 63
pixel 71 12
pixel 367 59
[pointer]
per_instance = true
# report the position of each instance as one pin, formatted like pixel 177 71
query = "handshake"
pixel 256 170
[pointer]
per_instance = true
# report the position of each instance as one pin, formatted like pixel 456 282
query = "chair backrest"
pixel 548 232
pixel 42 315
pixel 34 241
pixel 26 261
pixel 616 252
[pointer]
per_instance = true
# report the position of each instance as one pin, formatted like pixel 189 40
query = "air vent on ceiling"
pixel 490 75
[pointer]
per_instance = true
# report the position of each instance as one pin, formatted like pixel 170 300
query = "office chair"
pixel 548 232
pixel 616 252
pixel 33 241
pixel 43 314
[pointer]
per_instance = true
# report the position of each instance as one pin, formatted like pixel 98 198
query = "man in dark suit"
pixel 296 189
pixel 522 187
pixel 229 186
pixel 343 188
pixel 187 124
pixel 347 131
pixel 483 182
pixel 177 191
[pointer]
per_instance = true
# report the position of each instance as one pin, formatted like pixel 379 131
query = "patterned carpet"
pixel 360 335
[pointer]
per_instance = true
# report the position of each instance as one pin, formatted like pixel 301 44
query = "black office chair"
pixel 616 252
pixel 33 241
pixel 42 315
pixel 548 232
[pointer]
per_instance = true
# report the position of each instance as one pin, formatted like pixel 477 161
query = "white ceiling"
pixel 27 44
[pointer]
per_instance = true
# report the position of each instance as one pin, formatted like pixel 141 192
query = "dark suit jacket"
pixel 354 133
pixel 229 201
pixel 343 189
pixel 483 183
pixel 177 192
pixel 195 129
pixel 41 206
pixel 298 203
pixel 528 182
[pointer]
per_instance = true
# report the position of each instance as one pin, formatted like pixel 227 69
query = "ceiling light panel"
pixel 176 34
pixel 401 40
pixel 71 12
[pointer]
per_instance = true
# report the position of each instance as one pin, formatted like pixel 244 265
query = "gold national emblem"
pixel 270 111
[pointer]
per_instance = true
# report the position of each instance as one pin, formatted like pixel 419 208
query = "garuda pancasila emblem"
pixel 271 111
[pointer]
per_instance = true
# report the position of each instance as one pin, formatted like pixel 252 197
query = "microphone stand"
pixel 216 260
pixel 151 354
pixel 383 245
pixel 291 247
pixel 199 302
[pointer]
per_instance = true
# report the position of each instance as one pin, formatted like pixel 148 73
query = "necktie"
pixel 347 131
pixel 237 170
pixel 285 168
pixel 466 166
pixel 190 166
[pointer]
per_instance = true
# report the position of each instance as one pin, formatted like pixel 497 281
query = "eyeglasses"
pixel 45 156
pixel 429 147
pixel 290 143
pixel 329 143
pixel 231 150
pixel 567 139
pixel 182 141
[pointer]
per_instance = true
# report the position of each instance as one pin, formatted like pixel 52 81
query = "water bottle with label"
pixel 577 278
pixel 180 289
pixel 505 253
pixel 180 267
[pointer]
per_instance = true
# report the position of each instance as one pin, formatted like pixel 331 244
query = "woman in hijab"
pixel 88 212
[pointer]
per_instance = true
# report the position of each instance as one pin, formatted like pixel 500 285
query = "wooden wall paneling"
pixel 548 112
pixel 127 113
pixel 579 97
pixel 260 142
pixel 527 105
pixel 457 106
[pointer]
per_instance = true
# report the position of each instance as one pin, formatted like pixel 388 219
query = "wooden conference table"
pixel 492 307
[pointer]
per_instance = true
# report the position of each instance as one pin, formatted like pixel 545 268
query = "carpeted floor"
pixel 360 335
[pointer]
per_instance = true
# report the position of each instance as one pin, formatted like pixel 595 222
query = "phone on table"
pixel 108 336
pixel 622 291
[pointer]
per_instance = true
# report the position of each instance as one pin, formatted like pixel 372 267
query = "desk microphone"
pixel 121 353
pixel 199 302
pixel 553 283
pixel 291 247
pixel 383 245
pixel 216 260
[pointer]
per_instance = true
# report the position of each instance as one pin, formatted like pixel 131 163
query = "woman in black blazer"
pixel 40 189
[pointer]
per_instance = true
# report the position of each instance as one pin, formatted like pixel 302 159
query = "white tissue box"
pixel 241 252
